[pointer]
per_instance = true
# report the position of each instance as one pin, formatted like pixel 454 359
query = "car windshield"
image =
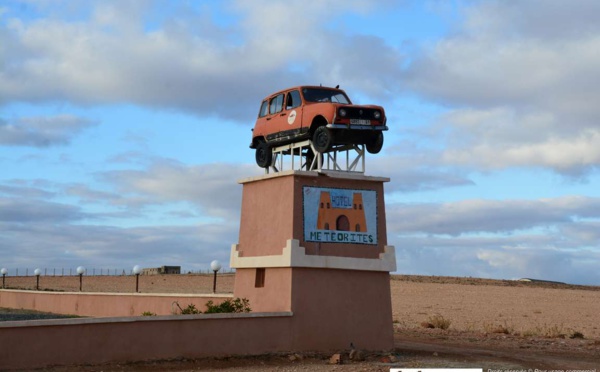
pixel 324 95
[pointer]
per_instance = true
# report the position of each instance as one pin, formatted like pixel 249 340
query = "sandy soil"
pixel 492 325
pixel 523 310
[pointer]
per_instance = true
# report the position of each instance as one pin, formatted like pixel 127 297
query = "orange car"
pixel 326 116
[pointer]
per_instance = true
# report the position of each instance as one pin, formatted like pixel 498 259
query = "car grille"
pixel 359 113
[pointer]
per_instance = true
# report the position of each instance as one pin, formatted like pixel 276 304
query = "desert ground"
pixel 438 322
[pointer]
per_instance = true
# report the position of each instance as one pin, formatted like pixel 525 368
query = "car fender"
pixel 317 121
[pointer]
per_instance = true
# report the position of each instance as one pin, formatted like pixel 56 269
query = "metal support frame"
pixel 341 158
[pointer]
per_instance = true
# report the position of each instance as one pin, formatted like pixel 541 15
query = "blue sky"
pixel 125 124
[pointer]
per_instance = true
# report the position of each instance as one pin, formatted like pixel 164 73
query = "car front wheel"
pixel 375 143
pixel 322 139
pixel 264 156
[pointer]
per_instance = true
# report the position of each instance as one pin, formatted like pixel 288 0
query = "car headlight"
pixel 342 112
pixel 377 115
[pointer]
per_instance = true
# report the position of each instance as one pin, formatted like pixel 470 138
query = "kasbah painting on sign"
pixel 349 215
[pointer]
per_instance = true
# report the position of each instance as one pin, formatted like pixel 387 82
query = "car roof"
pixel 299 87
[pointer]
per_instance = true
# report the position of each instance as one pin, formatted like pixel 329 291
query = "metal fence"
pixel 70 271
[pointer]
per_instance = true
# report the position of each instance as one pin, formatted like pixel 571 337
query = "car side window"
pixel 293 100
pixel 276 104
pixel 264 109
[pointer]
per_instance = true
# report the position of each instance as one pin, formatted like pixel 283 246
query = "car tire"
pixel 375 143
pixel 264 156
pixel 322 139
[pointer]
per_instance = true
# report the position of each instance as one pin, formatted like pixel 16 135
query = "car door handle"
pixel 284 114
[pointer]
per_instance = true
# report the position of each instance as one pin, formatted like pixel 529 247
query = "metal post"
pixel 137 282
pixel 37 283
pixel 215 282
pixel 3 279
pixel 80 281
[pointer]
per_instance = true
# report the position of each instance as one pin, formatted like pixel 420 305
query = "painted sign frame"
pixel 339 215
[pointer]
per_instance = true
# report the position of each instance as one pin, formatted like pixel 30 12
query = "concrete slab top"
pixel 129 319
pixel 186 295
pixel 332 174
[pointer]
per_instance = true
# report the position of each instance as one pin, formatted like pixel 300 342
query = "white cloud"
pixel 55 234
pixel 552 239
pixel 489 216
pixel 211 188
pixel 500 257
pixel 27 211
pixel 43 245
pixel 207 70
pixel 42 131
pixel 407 174
pixel 499 138
pixel 522 82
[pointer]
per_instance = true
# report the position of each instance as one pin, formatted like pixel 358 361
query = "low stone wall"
pixel 104 304
pixel 40 343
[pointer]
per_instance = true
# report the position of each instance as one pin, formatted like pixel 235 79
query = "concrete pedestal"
pixel 315 244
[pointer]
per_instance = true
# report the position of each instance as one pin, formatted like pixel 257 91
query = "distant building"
pixel 538 281
pixel 161 270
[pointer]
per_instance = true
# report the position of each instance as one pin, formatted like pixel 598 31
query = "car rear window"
pixel 264 109
pixel 276 104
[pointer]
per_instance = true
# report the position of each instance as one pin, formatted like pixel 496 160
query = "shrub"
pixel 553 331
pixel 148 313
pixel 576 334
pixel 436 321
pixel 498 328
pixel 236 305
pixel 190 309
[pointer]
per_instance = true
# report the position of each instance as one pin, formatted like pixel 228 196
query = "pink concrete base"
pixel 104 304
pixel 338 291
pixel 332 308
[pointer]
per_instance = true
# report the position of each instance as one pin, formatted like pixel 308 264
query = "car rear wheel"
pixel 310 157
pixel 264 156
pixel 322 139
pixel 375 143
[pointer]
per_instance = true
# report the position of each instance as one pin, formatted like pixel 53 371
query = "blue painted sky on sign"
pixel 124 126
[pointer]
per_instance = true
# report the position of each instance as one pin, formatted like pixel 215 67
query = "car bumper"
pixel 357 127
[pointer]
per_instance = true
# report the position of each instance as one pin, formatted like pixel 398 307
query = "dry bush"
pixel 552 331
pixel 576 334
pixel 498 328
pixel 436 321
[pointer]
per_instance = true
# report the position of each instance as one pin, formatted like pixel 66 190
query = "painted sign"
pixel 292 117
pixel 340 215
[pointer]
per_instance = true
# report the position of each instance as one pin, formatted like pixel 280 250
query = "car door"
pixel 276 123
pixel 292 112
